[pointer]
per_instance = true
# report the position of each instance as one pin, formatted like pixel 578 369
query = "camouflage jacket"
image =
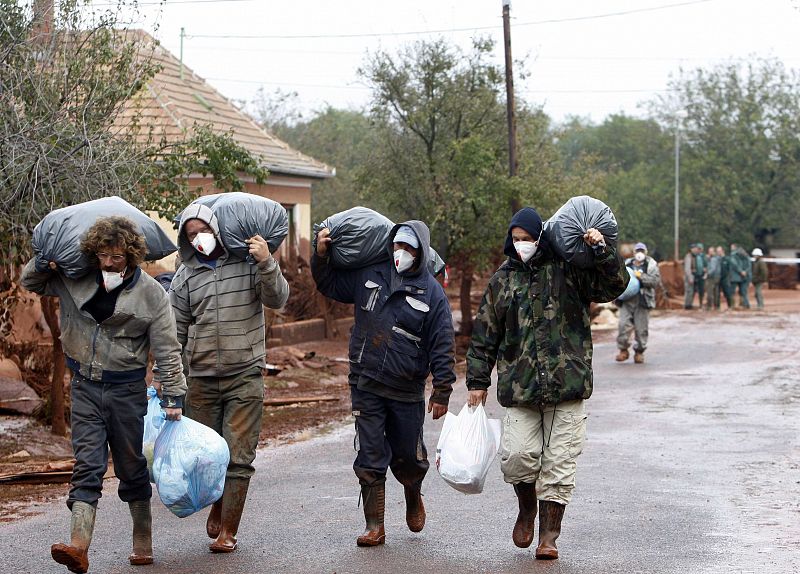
pixel 533 322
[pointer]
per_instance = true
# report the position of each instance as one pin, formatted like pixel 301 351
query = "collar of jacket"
pixel 85 288
pixel 417 283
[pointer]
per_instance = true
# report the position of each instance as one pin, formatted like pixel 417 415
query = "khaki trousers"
pixel 541 445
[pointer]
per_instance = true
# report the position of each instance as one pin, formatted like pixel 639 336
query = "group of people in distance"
pixel 714 273
pixel 207 336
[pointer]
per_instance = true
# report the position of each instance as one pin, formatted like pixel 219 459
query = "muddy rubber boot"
pixel 550 515
pixel 214 521
pixel 75 555
pixel 622 355
pixel 526 519
pixel 233 498
pixel 638 358
pixel 415 509
pixel 374 509
pixel 142 552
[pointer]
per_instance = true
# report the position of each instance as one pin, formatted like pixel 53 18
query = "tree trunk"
pixel 57 420
pixel 466 301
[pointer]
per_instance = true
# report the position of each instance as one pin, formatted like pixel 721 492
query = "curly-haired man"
pixel 110 321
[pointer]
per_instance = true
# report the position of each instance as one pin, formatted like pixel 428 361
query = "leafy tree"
pixel 440 149
pixel 62 92
pixel 742 153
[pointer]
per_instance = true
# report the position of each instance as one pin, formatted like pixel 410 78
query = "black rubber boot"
pixel 374 509
pixel 142 533
pixel 415 509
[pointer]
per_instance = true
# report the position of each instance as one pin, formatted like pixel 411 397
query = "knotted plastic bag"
pixel 153 421
pixel 57 237
pixel 189 465
pixel 360 237
pixel 565 230
pixel 466 448
pixel 242 215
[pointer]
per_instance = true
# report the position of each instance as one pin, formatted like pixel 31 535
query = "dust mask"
pixel 526 249
pixel 205 243
pixel 403 260
pixel 639 256
pixel 112 279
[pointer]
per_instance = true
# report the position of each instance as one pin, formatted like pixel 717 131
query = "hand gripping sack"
pixel 633 286
pixel 466 448
pixel 189 466
pixel 58 236
pixel 242 215
pixel 360 237
pixel 564 231
pixel 153 422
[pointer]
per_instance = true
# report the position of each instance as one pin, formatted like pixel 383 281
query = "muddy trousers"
pixel 233 406
pixel 633 317
pixel 712 290
pixel 741 287
pixel 388 435
pixel 541 445
pixel 108 416
pixel 759 294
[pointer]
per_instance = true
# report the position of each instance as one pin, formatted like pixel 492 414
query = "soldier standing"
pixel 533 322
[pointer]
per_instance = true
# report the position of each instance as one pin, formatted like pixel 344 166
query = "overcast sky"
pixel 583 57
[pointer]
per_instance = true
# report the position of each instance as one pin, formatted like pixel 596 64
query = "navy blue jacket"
pixel 400 335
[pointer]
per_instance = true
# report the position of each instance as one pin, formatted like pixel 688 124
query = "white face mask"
pixel 526 249
pixel 403 260
pixel 112 279
pixel 639 256
pixel 205 243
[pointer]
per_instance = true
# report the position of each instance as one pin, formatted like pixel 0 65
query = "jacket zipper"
pixel 216 308
pixel 407 335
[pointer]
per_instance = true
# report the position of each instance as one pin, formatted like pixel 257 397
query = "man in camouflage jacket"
pixel 533 322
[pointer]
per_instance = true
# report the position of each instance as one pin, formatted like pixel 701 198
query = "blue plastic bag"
pixel 189 465
pixel 633 286
pixel 153 421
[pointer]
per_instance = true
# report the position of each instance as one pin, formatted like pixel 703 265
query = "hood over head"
pixel 203 213
pixel 528 219
pixel 423 235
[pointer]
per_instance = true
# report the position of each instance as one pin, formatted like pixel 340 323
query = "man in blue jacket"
pixel 403 332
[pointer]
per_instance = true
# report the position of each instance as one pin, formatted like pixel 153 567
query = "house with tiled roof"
pixel 176 100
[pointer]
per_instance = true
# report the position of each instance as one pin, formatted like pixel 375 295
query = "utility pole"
pixel 510 112
pixel 183 35
pixel 677 188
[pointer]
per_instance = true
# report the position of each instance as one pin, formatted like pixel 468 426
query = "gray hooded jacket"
pixel 218 305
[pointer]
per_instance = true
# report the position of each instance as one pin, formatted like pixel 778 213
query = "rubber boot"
pixel 526 519
pixel 415 509
pixel 75 555
pixel 622 355
pixel 214 521
pixel 233 498
pixel 638 357
pixel 374 509
pixel 142 552
pixel 550 515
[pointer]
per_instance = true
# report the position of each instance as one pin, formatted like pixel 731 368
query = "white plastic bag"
pixel 153 422
pixel 189 466
pixel 466 448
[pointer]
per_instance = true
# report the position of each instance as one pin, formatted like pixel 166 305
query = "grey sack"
pixel 242 215
pixel 359 238
pixel 564 231
pixel 58 236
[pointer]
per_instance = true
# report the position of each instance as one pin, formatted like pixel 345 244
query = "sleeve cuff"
pixel 268 264
pixel 168 402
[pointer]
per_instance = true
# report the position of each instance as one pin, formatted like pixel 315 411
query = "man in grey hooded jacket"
pixel 403 332
pixel 634 313
pixel 217 299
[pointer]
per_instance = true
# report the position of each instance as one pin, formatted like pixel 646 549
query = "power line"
pixel 444 30
pixel 168 3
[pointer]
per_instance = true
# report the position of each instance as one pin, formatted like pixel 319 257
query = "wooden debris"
pixel 283 401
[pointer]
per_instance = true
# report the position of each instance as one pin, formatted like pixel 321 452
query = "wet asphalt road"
pixel 692 465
